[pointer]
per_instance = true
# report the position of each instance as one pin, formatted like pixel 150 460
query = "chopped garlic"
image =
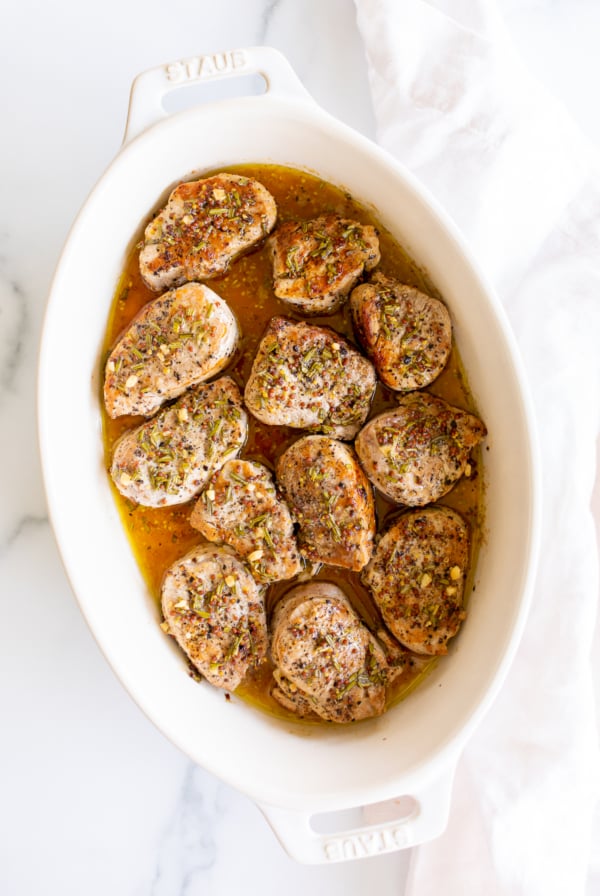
pixel 125 479
pixel 210 494
pixel 111 366
pixel 255 555
pixel 455 573
pixel 219 194
pixel 165 627
pixel 251 487
pixel 131 381
pixel 450 590
pixel 425 580
pixel 187 219
pixel 230 581
pixel 182 415
pixel 468 470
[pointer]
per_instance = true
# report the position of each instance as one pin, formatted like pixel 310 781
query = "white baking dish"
pixel 292 771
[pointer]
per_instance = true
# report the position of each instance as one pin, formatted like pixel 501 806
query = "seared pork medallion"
pixel 168 459
pixel 417 577
pixel 326 661
pixel 316 263
pixel 205 225
pixel 309 377
pixel 416 453
pixel 182 338
pixel 331 500
pixel 240 506
pixel 215 610
pixel 407 334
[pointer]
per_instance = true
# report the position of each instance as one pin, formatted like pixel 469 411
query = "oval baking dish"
pixel 292 771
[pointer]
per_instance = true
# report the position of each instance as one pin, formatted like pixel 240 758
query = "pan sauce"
pixel 159 536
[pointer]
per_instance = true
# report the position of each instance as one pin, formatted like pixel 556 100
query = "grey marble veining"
pixel 14 318
pixel 22 503
pixel 269 10
pixel 22 527
pixel 187 848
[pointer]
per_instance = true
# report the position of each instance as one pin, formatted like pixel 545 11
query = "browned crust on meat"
pixel 331 499
pixel 309 377
pixel 416 453
pixel 184 337
pixel 215 611
pixel 205 225
pixel 417 577
pixel 241 507
pixel 407 334
pixel 326 659
pixel 168 459
pixel 316 263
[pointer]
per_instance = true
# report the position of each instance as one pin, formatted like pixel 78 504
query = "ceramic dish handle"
pixel 425 819
pixel 150 88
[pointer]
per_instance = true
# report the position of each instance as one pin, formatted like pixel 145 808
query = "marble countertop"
pixel 94 799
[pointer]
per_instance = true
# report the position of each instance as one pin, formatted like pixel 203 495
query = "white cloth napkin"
pixel 454 103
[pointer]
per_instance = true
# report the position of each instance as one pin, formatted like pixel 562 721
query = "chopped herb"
pixel 237 478
pixel 335 529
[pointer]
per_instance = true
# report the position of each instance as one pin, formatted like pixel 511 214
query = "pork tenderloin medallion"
pixel 309 377
pixel 215 611
pixel 417 452
pixel 407 334
pixel 241 507
pixel 205 225
pixel 331 500
pixel 326 661
pixel 169 459
pixel 185 337
pixel 417 577
pixel 316 263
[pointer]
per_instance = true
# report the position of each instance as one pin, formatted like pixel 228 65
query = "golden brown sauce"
pixel 161 536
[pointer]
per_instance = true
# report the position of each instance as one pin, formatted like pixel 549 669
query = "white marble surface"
pixel 92 798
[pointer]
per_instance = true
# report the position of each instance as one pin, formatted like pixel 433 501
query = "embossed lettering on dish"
pixel 199 67
pixel 359 846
